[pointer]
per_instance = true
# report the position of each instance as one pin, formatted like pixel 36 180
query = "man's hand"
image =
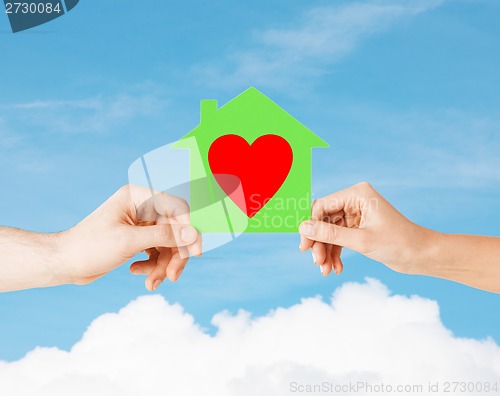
pixel 133 220
pixel 129 222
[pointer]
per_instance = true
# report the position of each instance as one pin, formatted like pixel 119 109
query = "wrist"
pixel 425 249
pixel 429 258
pixel 58 245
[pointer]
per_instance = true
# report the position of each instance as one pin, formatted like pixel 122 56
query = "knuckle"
pixel 364 186
pixel 184 205
pixel 121 194
pixel 124 189
pixel 318 209
pixel 328 232
pixel 315 206
pixel 332 233
pixel 183 202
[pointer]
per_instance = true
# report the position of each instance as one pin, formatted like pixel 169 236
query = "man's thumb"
pixel 163 235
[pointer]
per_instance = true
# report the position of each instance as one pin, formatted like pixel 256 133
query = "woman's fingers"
pixel 336 260
pixel 329 204
pixel 305 244
pixel 349 198
pixel 357 239
pixel 333 218
pixel 326 267
pixel 318 250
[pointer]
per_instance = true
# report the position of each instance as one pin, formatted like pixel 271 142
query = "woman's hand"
pixel 359 218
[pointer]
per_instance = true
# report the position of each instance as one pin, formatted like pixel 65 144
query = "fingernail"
pixel 307 229
pixel 314 259
pixel 300 246
pixel 188 234
pixel 156 284
pixel 321 269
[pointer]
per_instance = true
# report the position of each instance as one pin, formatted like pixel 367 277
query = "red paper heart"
pixel 261 168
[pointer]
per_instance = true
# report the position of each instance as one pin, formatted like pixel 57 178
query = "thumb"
pixel 163 235
pixel 352 238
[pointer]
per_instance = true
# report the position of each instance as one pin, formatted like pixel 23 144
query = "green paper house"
pixel 250 115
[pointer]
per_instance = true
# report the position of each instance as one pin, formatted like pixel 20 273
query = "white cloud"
pixel 152 347
pixel 278 57
pixel 89 115
pixel 57 104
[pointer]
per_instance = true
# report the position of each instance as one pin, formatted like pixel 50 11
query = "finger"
pixel 148 203
pixel 305 244
pixel 336 261
pixel 159 272
pixel 171 206
pixel 326 267
pixel 150 252
pixel 176 210
pixel 318 252
pixel 335 218
pixel 340 266
pixel 143 267
pixel 338 201
pixel 162 235
pixel 176 266
pixel 352 238
pixel 196 249
pixel 182 251
pixel 353 220
pixel 330 204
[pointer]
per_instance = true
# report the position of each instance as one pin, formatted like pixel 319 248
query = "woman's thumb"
pixel 352 238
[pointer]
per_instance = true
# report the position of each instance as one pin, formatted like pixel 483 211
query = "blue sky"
pixel 406 94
